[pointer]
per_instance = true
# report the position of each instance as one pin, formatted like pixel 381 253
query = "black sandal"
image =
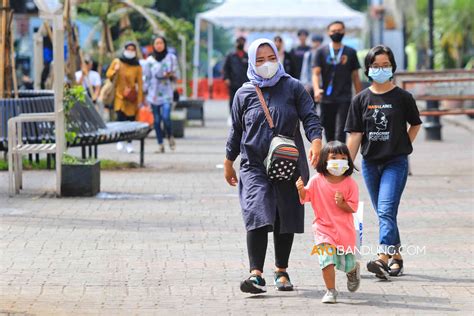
pixel 283 286
pixel 396 271
pixel 380 268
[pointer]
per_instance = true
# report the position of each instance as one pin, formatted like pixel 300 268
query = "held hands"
pixel 229 173
pixel 314 151
pixel 318 95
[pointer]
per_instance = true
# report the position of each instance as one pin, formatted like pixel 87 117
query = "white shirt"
pixel 93 78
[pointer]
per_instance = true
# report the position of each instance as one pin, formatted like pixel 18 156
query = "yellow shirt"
pixel 127 76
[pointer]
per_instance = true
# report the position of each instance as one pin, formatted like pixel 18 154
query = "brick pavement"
pixel 169 239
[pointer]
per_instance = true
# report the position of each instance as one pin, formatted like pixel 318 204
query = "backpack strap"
pixel 265 107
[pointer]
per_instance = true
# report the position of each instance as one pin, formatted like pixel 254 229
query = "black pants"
pixel 333 119
pixel 257 241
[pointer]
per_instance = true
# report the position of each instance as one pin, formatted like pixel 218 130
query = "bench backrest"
pixel 84 118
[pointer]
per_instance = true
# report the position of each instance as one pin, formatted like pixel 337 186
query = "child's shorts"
pixel 328 255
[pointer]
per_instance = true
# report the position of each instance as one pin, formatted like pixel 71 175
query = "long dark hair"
pixel 159 56
pixel 334 147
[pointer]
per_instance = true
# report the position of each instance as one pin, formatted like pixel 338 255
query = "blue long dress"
pixel 250 136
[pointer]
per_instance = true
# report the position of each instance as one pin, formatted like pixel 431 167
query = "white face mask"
pixel 268 69
pixel 337 167
pixel 129 54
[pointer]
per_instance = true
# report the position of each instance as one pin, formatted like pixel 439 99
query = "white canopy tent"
pixel 271 15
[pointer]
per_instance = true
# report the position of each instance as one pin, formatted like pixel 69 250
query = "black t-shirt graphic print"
pixel 383 118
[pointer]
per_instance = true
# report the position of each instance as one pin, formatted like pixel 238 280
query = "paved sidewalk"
pixel 169 239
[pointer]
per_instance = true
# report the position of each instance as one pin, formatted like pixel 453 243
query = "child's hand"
pixel 300 184
pixel 339 198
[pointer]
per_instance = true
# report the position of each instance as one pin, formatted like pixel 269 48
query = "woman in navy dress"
pixel 269 206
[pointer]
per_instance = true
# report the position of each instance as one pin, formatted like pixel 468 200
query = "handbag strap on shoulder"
pixel 264 106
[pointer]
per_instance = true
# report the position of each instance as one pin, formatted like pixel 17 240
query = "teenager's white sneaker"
pixel 353 278
pixel 330 297
pixel 120 146
pixel 129 148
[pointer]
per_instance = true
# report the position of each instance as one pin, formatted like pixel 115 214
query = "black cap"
pixel 240 38
pixel 303 31
pixel 317 38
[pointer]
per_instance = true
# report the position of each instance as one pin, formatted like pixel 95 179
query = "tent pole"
pixel 58 68
pixel 38 57
pixel 184 75
pixel 210 48
pixel 197 35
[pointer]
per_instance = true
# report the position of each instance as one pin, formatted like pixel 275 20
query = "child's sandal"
pixel 396 271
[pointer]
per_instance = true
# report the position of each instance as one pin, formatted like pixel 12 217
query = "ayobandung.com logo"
pixel 326 249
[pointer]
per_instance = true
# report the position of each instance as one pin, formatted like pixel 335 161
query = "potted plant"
pixel 79 177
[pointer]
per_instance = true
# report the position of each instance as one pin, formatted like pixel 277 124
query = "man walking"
pixel 338 66
pixel 298 52
pixel 235 69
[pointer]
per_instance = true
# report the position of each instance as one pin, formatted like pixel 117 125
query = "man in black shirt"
pixel 297 54
pixel 235 69
pixel 338 67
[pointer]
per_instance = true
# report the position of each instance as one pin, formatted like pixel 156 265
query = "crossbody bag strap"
pixel 265 107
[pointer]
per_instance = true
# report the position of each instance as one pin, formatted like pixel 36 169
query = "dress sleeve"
pixel 111 71
pixel 146 76
pixel 354 117
pixel 235 134
pixel 412 114
pixel 307 114
pixel 352 198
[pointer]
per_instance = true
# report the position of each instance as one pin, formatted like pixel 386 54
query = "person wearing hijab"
pixel 160 70
pixel 127 73
pixel 269 206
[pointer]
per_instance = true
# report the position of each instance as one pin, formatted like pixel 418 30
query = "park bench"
pixel 194 109
pixel 91 129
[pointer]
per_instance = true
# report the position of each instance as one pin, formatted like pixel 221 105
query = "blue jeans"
pixel 162 112
pixel 385 183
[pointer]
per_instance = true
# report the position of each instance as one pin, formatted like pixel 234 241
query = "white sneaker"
pixel 330 297
pixel 353 278
pixel 120 146
pixel 129 148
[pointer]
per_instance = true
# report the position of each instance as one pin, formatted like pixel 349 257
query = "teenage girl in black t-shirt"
pixel 377 123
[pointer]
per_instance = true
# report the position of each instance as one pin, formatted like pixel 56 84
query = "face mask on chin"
pixel 267 70
pixel 337 167
pixel 337 37
pixel 129 54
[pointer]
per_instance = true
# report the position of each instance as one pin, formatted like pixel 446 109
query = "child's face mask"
pixel 337 167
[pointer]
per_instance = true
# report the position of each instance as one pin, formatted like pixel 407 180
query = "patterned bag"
pixel 282 158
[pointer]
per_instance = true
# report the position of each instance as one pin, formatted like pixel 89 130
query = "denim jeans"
pixel 385 183
pixel 162 112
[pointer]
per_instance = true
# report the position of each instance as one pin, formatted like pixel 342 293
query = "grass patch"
pixel 105 164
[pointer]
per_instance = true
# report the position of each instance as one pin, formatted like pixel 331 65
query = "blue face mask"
pixel 380 75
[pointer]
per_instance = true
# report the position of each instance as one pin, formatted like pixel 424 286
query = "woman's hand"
pixel 117 67
pixel 229 173
pixel 314 152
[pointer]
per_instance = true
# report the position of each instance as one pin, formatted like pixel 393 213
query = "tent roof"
pixel 277 15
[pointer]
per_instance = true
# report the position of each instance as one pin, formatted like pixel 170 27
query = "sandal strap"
pixel 382 263
pixel 396 261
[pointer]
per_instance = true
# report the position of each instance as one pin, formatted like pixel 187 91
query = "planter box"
pixel 80 180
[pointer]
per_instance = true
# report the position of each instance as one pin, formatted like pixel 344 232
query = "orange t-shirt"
pixel 332 225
